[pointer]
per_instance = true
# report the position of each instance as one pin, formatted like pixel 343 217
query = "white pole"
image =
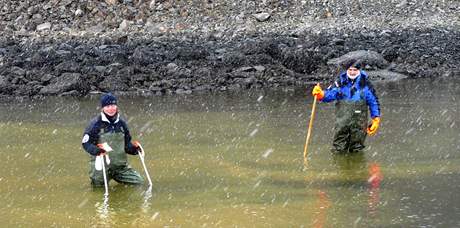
pixel 141 156
pixel 105 177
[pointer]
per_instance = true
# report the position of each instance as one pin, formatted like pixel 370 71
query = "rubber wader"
pixel 118 169
pixel 350 126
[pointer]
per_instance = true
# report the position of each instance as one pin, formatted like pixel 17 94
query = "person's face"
pixel 352 71
pixel 110 110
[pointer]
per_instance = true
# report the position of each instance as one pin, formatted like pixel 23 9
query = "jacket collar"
pixel 105 119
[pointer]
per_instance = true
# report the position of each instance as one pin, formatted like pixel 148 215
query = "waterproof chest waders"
pixel 350 126
pixel 118 169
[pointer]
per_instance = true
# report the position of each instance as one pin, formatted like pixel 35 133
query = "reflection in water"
pixel 322 207
pixel 351 166
pixel 352 171
pixel 131 201
pixel 375 177
pixel 103 213
pixel 146 201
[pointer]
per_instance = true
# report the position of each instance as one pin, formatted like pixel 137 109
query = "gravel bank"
pixel 74 48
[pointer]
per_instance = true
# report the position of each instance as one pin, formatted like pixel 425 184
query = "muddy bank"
pixel 76 66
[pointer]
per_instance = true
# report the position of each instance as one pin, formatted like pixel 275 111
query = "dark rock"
pixel 183 91
pixel 46 78
pixel 18 71
pixel 67 66
pixel 202 88
pixel 113 83
pixel 370 58
pixel 385 75
pixel 65 83
pixel 390 54
pixel 338 41
pixel 5 86
pixel 234 59
pixel 172 67
pixel 3 81
pixel 187 53
pixel 100 69
pixel 247 82
pixel 155 88
pixel 300 60
pixel 146 56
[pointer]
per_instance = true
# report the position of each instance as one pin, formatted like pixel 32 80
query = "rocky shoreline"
pixel 148 56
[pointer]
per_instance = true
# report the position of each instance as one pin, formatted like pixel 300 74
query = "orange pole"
pixel 310 126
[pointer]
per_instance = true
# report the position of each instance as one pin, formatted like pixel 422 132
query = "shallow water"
pixel 235 159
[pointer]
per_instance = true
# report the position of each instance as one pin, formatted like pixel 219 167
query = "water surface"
pixel 235 159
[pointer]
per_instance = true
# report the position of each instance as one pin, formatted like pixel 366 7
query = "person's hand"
pixel 372 129
pixel 137 145
pixel 318 92
pixel 101 149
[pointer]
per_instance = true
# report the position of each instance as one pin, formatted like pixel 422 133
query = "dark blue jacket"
pixel 95 127
pixel 350 90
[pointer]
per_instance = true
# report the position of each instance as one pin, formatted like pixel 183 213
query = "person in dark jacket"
pixel 354 95
pixel 108 127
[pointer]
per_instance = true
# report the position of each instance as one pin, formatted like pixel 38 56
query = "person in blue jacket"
pixel 354 95
pixel 108 127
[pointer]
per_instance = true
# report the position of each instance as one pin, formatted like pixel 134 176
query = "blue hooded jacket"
pixel 342 90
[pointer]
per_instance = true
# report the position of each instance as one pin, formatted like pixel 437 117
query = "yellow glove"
pixel 372 129
pixel 318 92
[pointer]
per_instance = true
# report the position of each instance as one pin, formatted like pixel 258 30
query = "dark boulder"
pixel 370 59
pixel 65 83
